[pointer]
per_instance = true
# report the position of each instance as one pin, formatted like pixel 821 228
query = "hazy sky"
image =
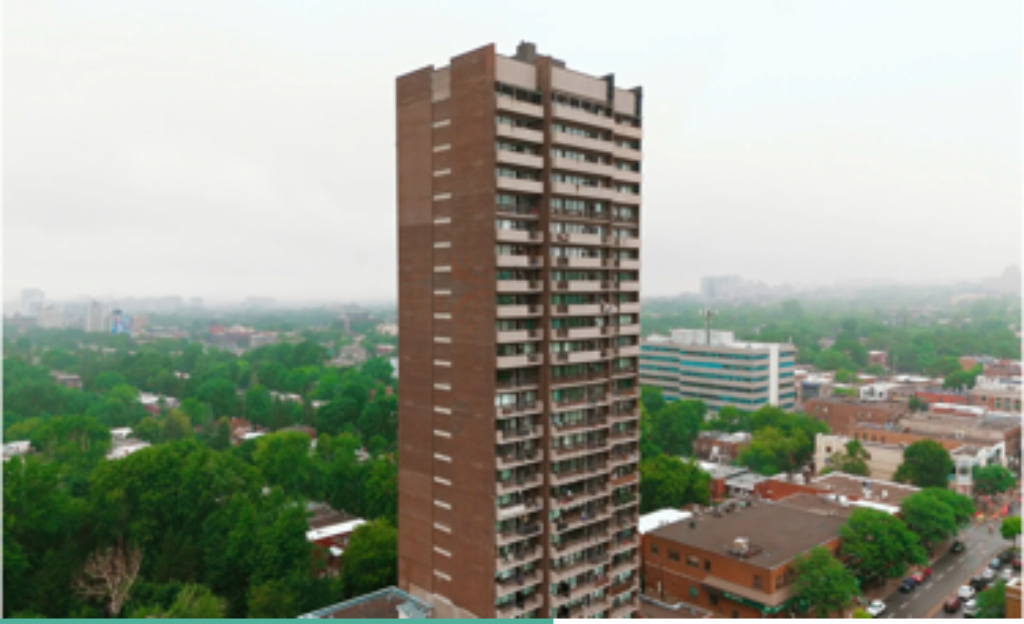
pixel 233 148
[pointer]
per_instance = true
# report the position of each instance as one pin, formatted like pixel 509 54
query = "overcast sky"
pixel 233 148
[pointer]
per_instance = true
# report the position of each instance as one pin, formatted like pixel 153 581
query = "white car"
pixel 970 608
pixel 1006 575
pixel 965 593
pixel 988 574
pixel 876 608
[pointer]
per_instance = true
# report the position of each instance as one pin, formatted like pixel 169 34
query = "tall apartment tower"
pixel 518 226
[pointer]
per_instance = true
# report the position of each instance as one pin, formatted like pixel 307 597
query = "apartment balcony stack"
pixel 519 259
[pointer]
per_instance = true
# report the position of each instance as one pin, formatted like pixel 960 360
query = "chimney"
pixel 526 52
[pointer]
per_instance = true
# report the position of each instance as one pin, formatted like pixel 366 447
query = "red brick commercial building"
pixel 738 563
pixel 842 414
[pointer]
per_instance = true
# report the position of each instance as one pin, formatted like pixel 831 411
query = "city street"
pixel 949 572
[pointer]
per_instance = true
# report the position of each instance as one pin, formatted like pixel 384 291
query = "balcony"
pixel 522 557
pixel 517 484
pixel 517 583
pixel 576 357
pixel 599 169
pixel 516 382
pixel 621 563
pixel 521 532
pixel 516 609
pixel 565 139
pixel 629 242
pixel 626 371
pixel 578 238
pixel 625 393
pixel 629 350
pixel 625 436
pixel 589 562
pixel 521 185
pixel 580 518
pixel 579 309
pixel 589 495
pixel 519 159
pixel 582 542
pixel 626 175
pixel 567 477
pixel 628 286
pixel 622 152
pixel 629 329
pixel 518 311
pixel 625 500
pixel 519 335
pixel 627 131
pixel 527 109
pixel 579 450
pixel 577 263
pixel 574 333
pixel 617 460
pixel 519 210
pixel 516 361
pixel 578 115
pixel 625 610
pixel 626 307
pixel 582 191
pixel 517 434
pixel 514 460
pixel 517 509
pixel 506 235
pixel 596 423
pixel 621 546
pixel 628 479
pixel 519 260
pixel 522 134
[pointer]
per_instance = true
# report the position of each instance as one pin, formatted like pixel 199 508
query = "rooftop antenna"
pixel 708 314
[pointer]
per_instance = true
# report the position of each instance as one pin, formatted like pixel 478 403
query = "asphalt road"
pixel 949 572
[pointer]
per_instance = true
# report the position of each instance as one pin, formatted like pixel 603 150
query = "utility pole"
pixel 708 314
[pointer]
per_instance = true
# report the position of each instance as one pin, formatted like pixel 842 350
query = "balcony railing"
pixel 518 433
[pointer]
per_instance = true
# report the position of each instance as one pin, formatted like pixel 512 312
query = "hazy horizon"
pixel 236 149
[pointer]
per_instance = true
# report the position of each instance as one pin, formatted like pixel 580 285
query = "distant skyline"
pixel 233 149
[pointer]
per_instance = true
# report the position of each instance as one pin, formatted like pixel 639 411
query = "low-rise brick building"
pixel 842 414
pixel 738 562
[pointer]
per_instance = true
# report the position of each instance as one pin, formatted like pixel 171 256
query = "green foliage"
pixel 861 614
pixel 381 492
pixel 1010 527
pixel 958 378
pixel 285 459
pixel 878 546
pixel 729 419
pixel 916 405
pixel 771 451
pixel 925 464
pixel 652 398
pixel 853 461
pixel 675 426
pixel 668 483
pixel 823 583
pixel 929 517
pixel 993 479
pixel 371 560
pixel 992 601
pixel 220 394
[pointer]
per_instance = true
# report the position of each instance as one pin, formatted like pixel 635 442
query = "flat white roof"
pixel 657 519
pixel 889 509
pixel 334 529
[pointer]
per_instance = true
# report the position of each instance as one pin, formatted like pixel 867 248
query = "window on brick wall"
pixel 673 555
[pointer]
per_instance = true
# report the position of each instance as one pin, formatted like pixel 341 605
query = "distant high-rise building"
pixel 518 226
pixel 96 318
pixel 726 372
pixel 32 302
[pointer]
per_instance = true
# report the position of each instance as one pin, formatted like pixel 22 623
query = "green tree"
pixel 853 461
pixel 668 482
pixel 878 546
pixel 916 405
pixel 652 398
pixel 378 370
pixel 992 602
pixel 370 561
pixel 993 479
pixel 925 464
pixel 729 419
pixel 929 517
pixel 677 425
pixel 381 490
pixel 176 426
pixel 1010 527
pixel 258 405
pixel 220 394
pixel 285 460
pixel 771 451
pixel 824 584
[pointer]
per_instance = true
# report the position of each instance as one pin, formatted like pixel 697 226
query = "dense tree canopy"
pixel 936 514
pixel 993 479
pixel 824 584
pixel 667 482
pixel 925 464
pixel 878 546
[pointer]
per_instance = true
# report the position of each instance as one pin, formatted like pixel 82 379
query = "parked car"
pixel 921 575
pixel 977 583
pixel 957 547
pixel 965 593
pixel 907 585
pixel 1006 575
pixel 952 605
pixel 1006 556
pixel 970 608
pixel 1016 564
pixel 995 564
pixel 989 575
pixel 876 608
